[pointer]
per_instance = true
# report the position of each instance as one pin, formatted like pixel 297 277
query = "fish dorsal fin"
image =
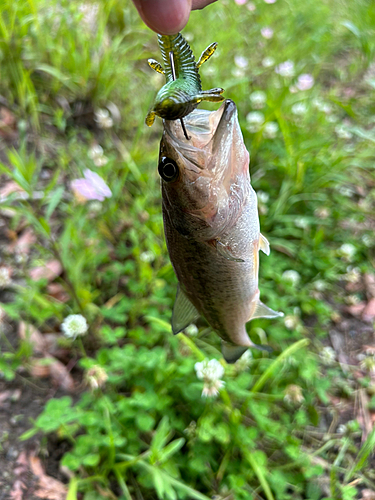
pixel 184 313
pixel 263 244
pixel 263 311
pixel 224 251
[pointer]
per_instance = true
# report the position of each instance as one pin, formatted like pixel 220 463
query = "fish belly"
pixel 221 290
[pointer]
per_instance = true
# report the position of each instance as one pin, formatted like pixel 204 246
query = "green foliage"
pixel 150 433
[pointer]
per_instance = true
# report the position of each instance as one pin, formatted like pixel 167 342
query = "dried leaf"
pixel 368 494
pixel 23 243
pixel 49 488
pixel 20 470
pixel 369 280
pixel 30 333
pixel 50 271
pixel 57 291
pixel 51 367
pixel 368 313
pixel 356 309
pixel 9 188
pixel 61 376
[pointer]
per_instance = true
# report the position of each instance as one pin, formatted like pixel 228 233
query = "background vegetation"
pixel 75 89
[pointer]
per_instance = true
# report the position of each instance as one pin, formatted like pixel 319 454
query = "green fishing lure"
pixel 182 91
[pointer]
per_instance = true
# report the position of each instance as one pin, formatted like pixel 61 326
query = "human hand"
pixel 168 17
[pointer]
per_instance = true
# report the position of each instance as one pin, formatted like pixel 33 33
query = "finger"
pixel 166 17
pixel 199 4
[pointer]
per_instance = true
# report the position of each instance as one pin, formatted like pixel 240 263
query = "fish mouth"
pixel 206 129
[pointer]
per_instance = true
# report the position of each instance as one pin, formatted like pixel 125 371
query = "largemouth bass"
pixel 211 226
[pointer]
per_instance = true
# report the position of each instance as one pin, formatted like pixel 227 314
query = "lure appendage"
pixel 182 91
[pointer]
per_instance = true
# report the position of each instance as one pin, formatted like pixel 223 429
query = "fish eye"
pixel 168 169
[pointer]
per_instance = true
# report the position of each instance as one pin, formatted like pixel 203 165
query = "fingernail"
pixel 166 17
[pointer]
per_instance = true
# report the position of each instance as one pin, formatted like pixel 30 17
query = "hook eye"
pixel 168 169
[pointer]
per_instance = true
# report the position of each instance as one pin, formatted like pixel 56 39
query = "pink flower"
pixel 266 32
pixel 305 82
pixel 92 187
pixel 240 2
pixel 270 1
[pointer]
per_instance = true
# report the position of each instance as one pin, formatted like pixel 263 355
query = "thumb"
pixel 166 17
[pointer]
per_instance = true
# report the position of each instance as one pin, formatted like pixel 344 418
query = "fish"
pixel 211 226
pixel 182 92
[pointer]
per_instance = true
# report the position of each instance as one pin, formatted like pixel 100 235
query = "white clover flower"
pixel 103 118
pixel 191 330
pixel 96 377
pixel 240 2
pixel 270 130
pixel 291 276
pixel 74 325
pixel 267 62
pixel 210 372
pixel 251 6
pixel 320 285
pixel 263 197
pixel 291 322
pixel 244 361
pixel 270 1
pixel 347 251
pixel 342 429
pixel 342 132
pixel 189 36
pixel 267 32
pixel 238 72
pixel 328 355
pixel 305 82
pixel 368 364
pixel 301 222
pixel 293 394
pixel 255 120
pixel 367 240
pixel 241 62
pixel 299 108
pixel 353 274
pixel 332 118
pixel 212 389
pixel 5 279
pixel 322 212
pixel 258 99
pixel 97 155
pixel 285 69
pixel 147 256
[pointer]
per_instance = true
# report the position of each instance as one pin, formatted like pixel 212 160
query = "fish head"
pixel 205 179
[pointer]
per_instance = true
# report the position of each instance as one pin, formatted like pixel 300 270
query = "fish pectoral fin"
pixel 184 313
pixel 263 244
pixel 224 251
pixel 263 311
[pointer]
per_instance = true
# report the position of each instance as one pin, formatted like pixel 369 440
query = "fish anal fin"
pixel 184 313
pixel 263 311
pixel 232 353
pixel 263 244
pixel 224 251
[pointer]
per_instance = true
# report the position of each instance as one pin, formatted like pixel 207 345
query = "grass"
pixel 144 429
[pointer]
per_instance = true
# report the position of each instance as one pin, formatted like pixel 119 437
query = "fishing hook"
pixel 171 60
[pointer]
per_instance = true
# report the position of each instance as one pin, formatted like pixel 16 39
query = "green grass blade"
pixel 278 361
